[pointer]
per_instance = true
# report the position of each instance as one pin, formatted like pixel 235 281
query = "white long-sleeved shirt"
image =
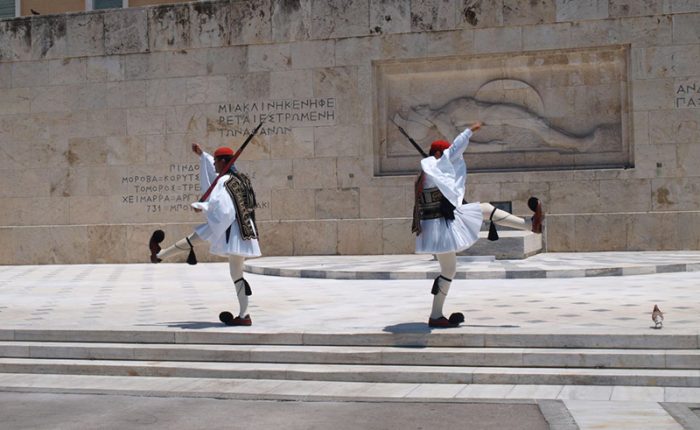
pixel 449 172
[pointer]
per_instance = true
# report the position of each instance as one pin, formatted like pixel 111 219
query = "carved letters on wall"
pixel 543 110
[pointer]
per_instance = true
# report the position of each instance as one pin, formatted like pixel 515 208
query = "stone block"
pixel 251 22
pixel 62 98
pixel 37 211
pixel 647 31
pixel 625 195
pixel 574 197
pixel 187 119
pixel 230 60
pixel 5 75
pixel 688 157
pixel 210 24
pixel 68 71
pixel 15 100
pixel 105 69
pixel 60 245
pixel 652 94
pixel 628 8
pixel 581 10
pixel 88 210
pixel 433 15
pixel 291 21
pixel 360 237
pixel 385 202
pixel 337 203
pixel 145 66
pixel 688 234
pixel 313 54
pixel 169 27
pixel 354 172
pixel 559 233
pixel 339 141
pixel 681 6
pixel 517 12
pixel 653 231
pixel 8 236
pixel 193 62
pixel 293 84
pixel 30 74
pixel 345 18
pixel 107 243
pixel 665 61
pixel 272 174
pixel 49 37
pixel 125 150
pixel 674 126
pixel 276 57
pixel 511 245
pixel 126 31
pixel 479 13
pixel 656 161
pixel 595 33
pixel 675 194
pixel 297 144
pixel 146 120
pixel 502 39
pixel 15 40
pixel 210 89
pixel 316 237
pixel 250 86
pixel 314 173
pixel 85 34
pixel 601 232
pixel 292 204
pixel 397 237
pixel 64 182
pixel 113 122
pixel 686 29
pixel 355 51
pixel 547 36
pixel 389 16
pixel 276 237
pixel 449 43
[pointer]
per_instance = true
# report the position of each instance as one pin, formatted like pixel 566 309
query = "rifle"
pixel 225 170
pixel 410 139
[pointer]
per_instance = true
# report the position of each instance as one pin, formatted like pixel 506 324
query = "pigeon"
pixel 658 317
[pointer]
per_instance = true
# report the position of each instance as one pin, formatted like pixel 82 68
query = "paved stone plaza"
pixel 177 298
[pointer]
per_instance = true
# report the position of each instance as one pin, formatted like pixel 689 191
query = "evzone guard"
pixel 229 206
pixel 445 224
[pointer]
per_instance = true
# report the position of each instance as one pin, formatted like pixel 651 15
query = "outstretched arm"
pixel 459 145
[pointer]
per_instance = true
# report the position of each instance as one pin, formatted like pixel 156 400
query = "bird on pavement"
pixel 658 317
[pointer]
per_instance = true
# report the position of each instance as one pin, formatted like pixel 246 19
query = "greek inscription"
pixel 169 192
pixel 279 116
pixel 688 95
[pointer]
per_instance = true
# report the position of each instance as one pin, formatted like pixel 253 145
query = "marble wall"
pixel 98 111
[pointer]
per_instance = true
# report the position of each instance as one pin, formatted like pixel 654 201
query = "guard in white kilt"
pixel 230 228
pixel 445 224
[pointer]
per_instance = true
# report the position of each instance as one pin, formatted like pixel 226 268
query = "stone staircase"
pixel 670 360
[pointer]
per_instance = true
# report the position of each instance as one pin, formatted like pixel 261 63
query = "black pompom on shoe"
pixel 154 245
pixel 456 318
pixel 226 317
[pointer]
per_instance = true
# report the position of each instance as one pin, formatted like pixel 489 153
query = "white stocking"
pixel 448 270
pixel 180 246
pixel 235 264
pixel 501 217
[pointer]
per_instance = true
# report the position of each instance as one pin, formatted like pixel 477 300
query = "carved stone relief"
pixel 545 110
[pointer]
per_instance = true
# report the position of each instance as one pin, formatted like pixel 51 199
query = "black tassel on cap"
pixel 493 234
pixel 191 258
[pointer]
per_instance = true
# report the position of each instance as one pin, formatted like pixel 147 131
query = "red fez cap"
pixel 223 152
pixel 439 145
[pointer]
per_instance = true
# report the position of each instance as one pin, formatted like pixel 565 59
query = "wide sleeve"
pixel 459 145
pixel 207 174
pixel 219 209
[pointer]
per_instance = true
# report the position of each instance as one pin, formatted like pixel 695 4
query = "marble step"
pixel 461 337
pixel 433 356
pixel 358 373
pixel 511 245
pixel 275 389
